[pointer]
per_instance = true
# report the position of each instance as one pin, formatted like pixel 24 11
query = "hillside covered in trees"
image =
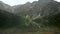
pixel 41 14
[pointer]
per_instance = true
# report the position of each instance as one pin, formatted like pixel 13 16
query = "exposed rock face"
pixel 6 7
pixel 31 9
pixel 22 8
pixel 45 1
pixel 51 8
pixel 36 8
pixel 42 7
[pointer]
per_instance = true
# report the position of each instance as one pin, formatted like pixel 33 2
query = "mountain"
pixel 9 20
pixel 34 8
pixel 22 8
pixel 6 7
pixel 37 14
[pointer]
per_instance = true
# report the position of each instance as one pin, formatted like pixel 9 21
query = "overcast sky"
pixel 16 2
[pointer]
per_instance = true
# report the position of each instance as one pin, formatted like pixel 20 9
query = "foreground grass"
pixel 29 31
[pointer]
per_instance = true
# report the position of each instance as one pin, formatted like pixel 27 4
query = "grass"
pixel 26 31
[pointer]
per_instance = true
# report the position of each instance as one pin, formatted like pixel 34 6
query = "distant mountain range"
pixel 35 8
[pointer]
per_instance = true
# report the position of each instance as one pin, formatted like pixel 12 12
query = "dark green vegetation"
pixel 32 16
pixel 8 20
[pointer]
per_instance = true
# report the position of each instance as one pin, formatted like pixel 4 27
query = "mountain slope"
pixel 33 8
pixel 6 7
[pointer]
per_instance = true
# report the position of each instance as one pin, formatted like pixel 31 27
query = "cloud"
pixel 16 2
pixel 57 0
